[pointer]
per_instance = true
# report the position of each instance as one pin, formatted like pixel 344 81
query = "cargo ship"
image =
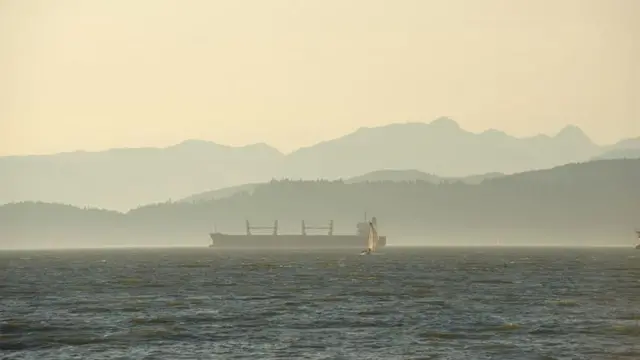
pixel 304 240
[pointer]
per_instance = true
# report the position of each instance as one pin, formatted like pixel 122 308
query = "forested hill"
pixel 595 202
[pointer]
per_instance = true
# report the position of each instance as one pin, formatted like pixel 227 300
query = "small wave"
pixel 219 283
pixel 442 335
pixel 149 333
pixel 372 312
pixel 153 321
pixel 177 303
pixel 546 331
pixel 360 323
pixel 332 299
pixel 132 308
pixel 373 293
pixel 15 326
pixel 128 281
pixel 566 303
pixel 437 302
pixel 193 266
pixel 420 291
pixel 492 281
pixel 506 327
pixel 623 329
pixel 90 310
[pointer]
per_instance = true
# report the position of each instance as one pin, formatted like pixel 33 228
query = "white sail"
pixel 373 237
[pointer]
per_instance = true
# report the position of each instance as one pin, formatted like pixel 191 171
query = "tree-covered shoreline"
pixel 594 198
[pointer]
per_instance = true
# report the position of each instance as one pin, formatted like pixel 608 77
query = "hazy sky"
pixel 89 74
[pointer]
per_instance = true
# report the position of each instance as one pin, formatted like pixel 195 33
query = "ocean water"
pixel 411 303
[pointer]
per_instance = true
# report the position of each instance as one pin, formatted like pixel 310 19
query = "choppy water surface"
pixel 404 304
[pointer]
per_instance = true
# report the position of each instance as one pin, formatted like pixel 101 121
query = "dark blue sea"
pixel 405 303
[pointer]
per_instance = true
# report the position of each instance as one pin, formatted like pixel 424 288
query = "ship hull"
pixel 225 241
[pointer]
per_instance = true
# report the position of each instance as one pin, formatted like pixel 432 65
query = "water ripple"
pixel 404 304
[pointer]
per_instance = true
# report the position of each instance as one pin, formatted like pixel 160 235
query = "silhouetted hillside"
pixel 395 175
pixel 221 193
pixel 123 178
pixel 632 143
pixel 625 149
pixel 595 202
pixel 630 153
pixel 375 176
pixel 415 175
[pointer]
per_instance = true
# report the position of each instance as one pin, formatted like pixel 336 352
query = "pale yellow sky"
pixel 94 74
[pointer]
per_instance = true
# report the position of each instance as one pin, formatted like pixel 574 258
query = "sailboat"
pixel 372 242
pixel 638 234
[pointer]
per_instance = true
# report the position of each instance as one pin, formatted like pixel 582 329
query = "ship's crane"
pixel 329 228
pixel 274 228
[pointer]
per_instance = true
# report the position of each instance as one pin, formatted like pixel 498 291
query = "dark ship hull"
pixel 274 240
pixel 226 241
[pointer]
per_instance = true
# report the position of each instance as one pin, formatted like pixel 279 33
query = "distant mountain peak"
pixel 194 142
pixel 631 143
pixel 262 147
pixel 571 130
pixel 259 145
pixel 444 122
pixel 572 134
pixel 494 133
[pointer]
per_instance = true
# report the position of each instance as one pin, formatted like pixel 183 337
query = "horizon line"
pixel 397 246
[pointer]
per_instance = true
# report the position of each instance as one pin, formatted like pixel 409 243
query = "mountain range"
pixel 596 202
pixel 125 178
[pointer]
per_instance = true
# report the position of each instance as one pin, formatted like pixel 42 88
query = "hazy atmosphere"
pixel 92 75
pixel 320 179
